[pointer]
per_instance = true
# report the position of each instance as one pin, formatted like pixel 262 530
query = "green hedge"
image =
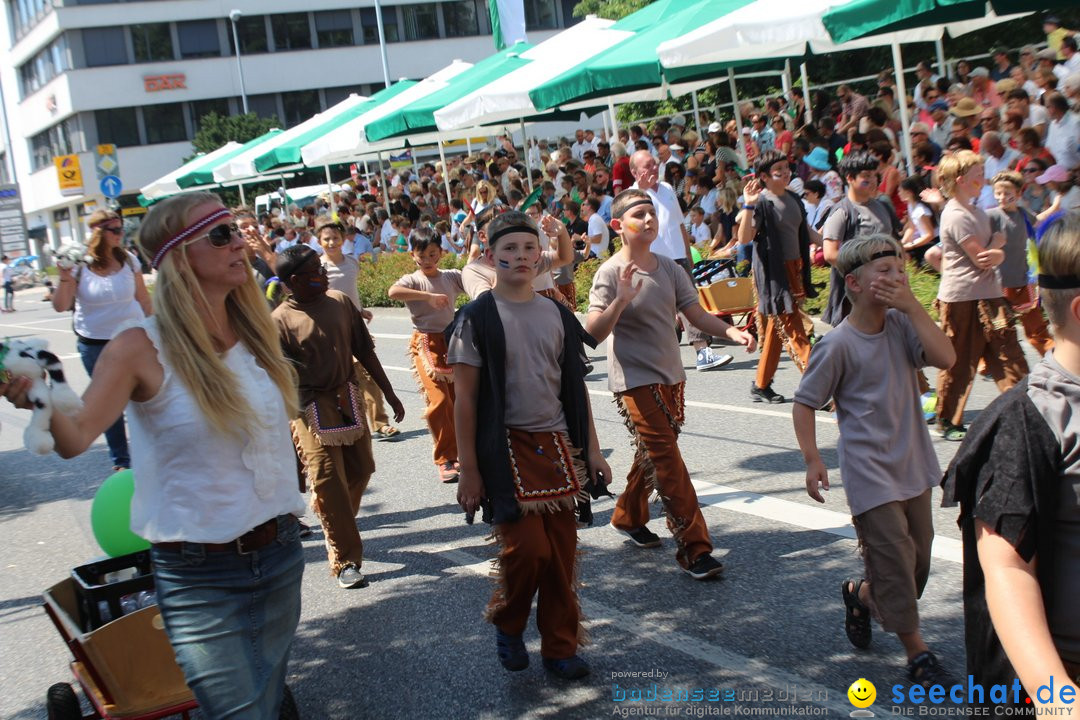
pixel 375 280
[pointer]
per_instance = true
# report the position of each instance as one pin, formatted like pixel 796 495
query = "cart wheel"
pixel 288 710
pixel 62 703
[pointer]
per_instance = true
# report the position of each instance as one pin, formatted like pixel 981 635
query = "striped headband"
pixel 189 232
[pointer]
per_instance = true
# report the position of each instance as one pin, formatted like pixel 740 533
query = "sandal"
pixel 857 626
pixel 953 433
pixel 387 432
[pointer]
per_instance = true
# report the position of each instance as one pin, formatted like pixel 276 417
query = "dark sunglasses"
pixel 221 235
pixel 114 229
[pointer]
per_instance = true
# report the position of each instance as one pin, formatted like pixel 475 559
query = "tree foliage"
pixel 216 130
pixel 609 9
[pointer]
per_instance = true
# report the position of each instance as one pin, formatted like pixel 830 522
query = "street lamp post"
pixel 234 16
pixel 382 44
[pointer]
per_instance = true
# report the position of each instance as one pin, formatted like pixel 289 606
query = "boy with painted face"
pixel 635 294
pixel 527 444
pixel 341 273
pixel 430 293
pixel 321 332
pixel 1016 224
pixel 886 457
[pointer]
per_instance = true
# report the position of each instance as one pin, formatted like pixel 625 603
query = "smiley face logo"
pixel 862 693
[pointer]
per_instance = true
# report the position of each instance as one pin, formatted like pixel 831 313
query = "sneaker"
pixel 350 577
pixel 924 669
pixel 305 530
pixel 706 566
pixel 571 668
pixel 448 473
pixel 511 651
pixel 643 537
pixel 708 360
pixel 765 394
pixel 950 432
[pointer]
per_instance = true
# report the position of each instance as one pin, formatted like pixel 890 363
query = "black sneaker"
pixel 705 567
pixel 571 668
pixel 643 537
pixel 924 669
pixel 305 530
pixel 350 577
pixel 765 394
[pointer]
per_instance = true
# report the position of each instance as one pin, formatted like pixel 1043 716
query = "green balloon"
pixel 110 516
pixel 695 255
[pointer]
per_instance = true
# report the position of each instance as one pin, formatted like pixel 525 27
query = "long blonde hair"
pixel 96 246
pixel 188 343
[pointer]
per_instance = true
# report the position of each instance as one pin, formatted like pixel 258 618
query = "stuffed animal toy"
pixel 27 358
pixel 70 255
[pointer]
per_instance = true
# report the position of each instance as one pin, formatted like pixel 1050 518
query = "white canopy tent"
pixel 348 143
pixel 166 185
pixel 242 166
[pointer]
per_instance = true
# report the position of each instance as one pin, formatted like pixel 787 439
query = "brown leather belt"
pixel 255 539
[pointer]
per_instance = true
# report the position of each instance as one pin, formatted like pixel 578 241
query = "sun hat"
pixel 966 107
pixel 818 158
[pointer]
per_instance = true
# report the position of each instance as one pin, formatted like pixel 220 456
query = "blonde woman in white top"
pixel 209 396
pixel 105 294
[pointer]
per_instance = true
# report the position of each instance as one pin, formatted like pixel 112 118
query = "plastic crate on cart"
pixel 730 295
pixel 94 590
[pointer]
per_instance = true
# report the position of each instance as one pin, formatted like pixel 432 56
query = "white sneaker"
pixel 708 360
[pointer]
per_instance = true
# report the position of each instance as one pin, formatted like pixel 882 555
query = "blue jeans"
pixel 9 296
pixel 231 620
pixel 116 435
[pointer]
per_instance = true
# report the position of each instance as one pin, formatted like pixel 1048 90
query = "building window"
pixel 117 126
pixel 265 106
pixel 60 139
pixel 333 28
pixel 43 67
pixel 540 15
pixel 252 32
pixel 104 46
pixel 291 31
pixel 371 25
pixel 460 18
pixel 337 94
pixel 152 42
pixel 27 13
pixel 299 106
pixel 202 108
pixel 165 123
pixel 198 39
pixel 421 22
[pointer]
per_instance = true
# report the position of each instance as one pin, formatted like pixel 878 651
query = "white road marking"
pixel 65 331
pixel 391 336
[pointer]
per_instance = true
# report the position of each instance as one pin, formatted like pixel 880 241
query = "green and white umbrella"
pixel 914 20
pixel 166 185
pixel 204 174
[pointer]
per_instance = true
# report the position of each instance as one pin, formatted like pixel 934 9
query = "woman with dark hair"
pixel 105 293
pixel 920 227
pixel 1035 197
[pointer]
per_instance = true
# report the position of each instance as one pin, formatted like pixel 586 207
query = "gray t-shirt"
pixel 534 353
pixel 1056 394
pixel 425 318
pixel 873 220
pixel 789 217
pixel 885 449
pixel 1014 270
pixel 343 277
pixel 642 347
pixel 962 279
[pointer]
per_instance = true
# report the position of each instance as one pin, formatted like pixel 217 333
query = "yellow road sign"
pixel 69 174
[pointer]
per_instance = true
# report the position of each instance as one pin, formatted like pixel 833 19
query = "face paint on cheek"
pixel 503 264
pixel 633 225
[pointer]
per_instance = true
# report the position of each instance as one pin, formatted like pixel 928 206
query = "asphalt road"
pixel 413 644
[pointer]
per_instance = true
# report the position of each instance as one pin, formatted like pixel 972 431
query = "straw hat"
pixel 966 107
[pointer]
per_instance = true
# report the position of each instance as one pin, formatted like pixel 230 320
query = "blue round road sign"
pixel 111 186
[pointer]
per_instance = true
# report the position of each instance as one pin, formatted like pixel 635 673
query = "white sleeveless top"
pixel 105 303
pixel 197 484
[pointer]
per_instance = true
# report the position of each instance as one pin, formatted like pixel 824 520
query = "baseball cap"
pixel 715 127
pixel 980 72
pixel 679 120
pixel 939 105
pixel 1054 173
pixel 1047 54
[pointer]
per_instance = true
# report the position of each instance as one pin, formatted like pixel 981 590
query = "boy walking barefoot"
pixel 321 332
pixel 1017 225
pixel 635 294
pixel 886 459
pixel 1016 478
pixel 527 445
pixel 973 312
pixel 429 293
pixel 341 273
